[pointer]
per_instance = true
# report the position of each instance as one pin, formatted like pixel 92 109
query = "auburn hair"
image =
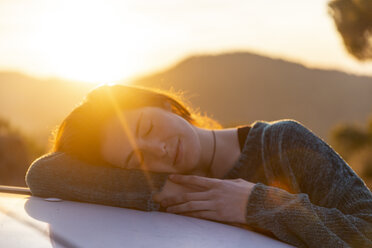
pixel 80 133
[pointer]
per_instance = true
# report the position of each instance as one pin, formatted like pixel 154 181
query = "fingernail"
pixel 171 176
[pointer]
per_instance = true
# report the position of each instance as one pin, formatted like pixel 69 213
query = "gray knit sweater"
pixel 305 194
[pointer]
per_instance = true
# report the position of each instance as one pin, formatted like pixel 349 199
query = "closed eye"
pixel 150 129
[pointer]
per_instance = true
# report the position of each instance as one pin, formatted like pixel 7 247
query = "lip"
pixel 178 155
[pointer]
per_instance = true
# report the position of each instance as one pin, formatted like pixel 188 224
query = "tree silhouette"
pixel 354 144
pixel 353 19
pixel 16 152
pixel 348 139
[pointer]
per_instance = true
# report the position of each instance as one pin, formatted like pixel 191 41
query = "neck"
pixel 226 154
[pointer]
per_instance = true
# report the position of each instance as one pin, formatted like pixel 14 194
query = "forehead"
pixel 123 118
pixel 118 136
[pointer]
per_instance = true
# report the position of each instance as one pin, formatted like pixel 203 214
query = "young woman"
pixel 140 148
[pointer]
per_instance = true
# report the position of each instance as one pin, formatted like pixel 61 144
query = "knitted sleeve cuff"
pixel 265 202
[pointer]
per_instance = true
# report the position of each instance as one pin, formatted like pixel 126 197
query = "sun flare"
pixel 109 41
pixel 88 42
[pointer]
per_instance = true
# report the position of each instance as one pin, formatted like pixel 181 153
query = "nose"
pixel 154 147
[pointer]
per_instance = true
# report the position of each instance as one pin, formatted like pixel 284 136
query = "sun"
pixel 87 41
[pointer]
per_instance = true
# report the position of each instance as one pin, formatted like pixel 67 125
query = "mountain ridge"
pixel 291 89
pixel 235 88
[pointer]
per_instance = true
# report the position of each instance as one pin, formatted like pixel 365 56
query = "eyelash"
pixel 149 131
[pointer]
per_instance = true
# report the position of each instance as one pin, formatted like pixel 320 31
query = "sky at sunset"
pixel 111 40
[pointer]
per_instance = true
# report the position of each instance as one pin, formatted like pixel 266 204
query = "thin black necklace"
pixel 214 151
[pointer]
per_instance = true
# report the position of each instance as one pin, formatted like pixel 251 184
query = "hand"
pixel 220 200
pixel 172 189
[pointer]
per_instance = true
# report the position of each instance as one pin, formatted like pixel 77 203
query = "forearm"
pixel 61 176
pixel 315 198
pixel 294 219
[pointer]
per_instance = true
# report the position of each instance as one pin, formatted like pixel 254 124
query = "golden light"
pixel 106 40
pixel 125 127
pixel 86 41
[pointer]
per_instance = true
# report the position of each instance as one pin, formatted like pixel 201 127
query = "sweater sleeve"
pixel 59 175
pixel 294 219
pixel 310 197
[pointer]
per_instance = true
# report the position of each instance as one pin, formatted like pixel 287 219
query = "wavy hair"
pixel 79 135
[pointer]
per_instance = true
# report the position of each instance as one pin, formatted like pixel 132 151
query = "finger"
pixel 191 206
pixel 209 215
pixel 156 197
pixel 205 182
pixel 186 197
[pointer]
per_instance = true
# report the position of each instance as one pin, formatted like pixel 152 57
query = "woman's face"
pixel 153 139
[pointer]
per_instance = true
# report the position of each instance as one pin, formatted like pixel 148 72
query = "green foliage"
pixel 353 19
pixel 354 144
pixel 16 153
pixel 4 125
pixel 348 139
pixel 369 128
pixel 367 170
pixel 33 149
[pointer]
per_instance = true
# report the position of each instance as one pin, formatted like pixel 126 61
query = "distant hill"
pixel 236 88
pixel 36 106
pixel 239 88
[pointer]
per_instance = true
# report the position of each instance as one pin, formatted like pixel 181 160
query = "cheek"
pixel 179 127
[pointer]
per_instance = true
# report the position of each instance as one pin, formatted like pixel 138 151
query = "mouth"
pixel 177 152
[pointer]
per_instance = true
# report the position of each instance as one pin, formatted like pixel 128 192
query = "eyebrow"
pixel 137 131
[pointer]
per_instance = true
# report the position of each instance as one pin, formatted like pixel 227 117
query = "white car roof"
pixel 27 221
